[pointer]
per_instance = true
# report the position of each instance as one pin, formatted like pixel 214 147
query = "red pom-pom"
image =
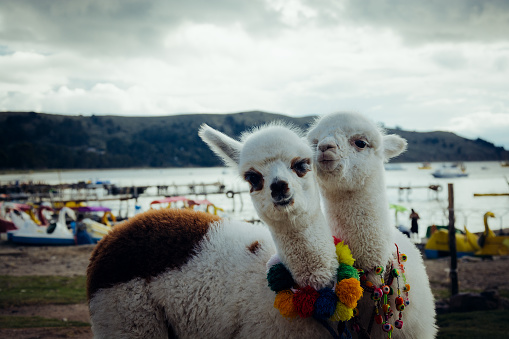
pixel 304 301
pixel 336 240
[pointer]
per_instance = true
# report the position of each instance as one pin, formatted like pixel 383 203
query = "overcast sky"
pixel 420 65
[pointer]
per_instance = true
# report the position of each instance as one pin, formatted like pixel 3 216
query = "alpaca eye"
pixel 360 143
pixel 255 179
pixel 301 166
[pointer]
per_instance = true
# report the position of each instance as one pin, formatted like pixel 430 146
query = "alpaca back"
pixel 219 291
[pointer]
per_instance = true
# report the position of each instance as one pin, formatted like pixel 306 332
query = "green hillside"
pixel 31 140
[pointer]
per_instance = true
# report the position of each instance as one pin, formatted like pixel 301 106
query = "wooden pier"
pixel 434 189
pixel 78 193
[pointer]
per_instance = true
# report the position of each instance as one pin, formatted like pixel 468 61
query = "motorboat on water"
pixel 394 167
pixel 452 171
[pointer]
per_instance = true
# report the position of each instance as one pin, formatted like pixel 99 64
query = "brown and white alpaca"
pixel 180 273
pixel 350 152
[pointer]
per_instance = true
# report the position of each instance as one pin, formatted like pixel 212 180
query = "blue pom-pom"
pixel 325 305
pixel 279 278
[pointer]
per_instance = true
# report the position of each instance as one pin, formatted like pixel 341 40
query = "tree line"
pixel 35 141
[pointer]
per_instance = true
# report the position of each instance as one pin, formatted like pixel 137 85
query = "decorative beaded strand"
pixel 381 295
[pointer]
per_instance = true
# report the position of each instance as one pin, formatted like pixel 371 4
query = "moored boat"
pixel 454 171
pixel 29 233
pixel 437 245
pixel 467 244
pixel 96 227
pixel 173 202
pixel 6 223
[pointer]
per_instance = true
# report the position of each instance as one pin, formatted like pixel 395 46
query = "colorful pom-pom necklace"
pixel 381 294
pixel 335 304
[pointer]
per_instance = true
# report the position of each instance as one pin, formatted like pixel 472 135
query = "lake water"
pixel 484 177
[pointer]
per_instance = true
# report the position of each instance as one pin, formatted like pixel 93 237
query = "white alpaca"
pixel 350 152
pixel 168 273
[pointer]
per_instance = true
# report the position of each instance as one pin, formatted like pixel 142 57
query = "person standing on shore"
pixel 414 230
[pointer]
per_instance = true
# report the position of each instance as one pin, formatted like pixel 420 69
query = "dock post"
pixel 452 244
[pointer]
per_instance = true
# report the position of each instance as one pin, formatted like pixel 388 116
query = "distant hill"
pixel 30 140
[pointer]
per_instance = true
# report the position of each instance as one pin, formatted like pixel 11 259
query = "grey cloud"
pixel 450 59
pixel 4 50
pixel 419 22
pixel 134 27
pixel 119 26
pixel 501 64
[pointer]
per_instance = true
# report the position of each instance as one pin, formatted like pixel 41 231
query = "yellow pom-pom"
pixel 344 254
pixel 349 291
pixel 342 313
pixel 284 303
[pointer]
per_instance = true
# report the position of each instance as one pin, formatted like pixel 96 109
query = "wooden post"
pixel 452 244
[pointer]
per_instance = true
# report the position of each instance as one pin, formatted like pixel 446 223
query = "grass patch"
pixel 29 322
pixel 504 293
pixel 444 293
pixel 479 324
pixel 41 290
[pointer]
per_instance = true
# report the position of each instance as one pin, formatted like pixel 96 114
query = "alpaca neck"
pixel 306 247
pixel 361 219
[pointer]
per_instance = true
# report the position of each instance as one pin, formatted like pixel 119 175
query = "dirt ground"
pixel 473 274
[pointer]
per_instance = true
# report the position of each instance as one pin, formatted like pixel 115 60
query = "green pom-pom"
pixel 347 272
pixel 279 278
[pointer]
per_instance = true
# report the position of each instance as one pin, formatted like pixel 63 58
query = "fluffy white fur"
pixel 300 232
pixel 222 291
pixel 350 151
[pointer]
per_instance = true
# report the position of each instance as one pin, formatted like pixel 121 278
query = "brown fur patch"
pixel 145 246
pixel 259 184
pixel 254 247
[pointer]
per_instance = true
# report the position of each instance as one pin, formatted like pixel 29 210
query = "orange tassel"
pixel 349 291
pixel 284 303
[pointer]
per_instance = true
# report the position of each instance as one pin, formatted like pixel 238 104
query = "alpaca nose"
pixel 279 190
pixel 327 146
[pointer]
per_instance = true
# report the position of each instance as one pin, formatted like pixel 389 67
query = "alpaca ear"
pixel 225 147
pixel 394 145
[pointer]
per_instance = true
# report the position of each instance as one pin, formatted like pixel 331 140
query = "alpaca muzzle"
pixel 280 193
pixel 328 151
